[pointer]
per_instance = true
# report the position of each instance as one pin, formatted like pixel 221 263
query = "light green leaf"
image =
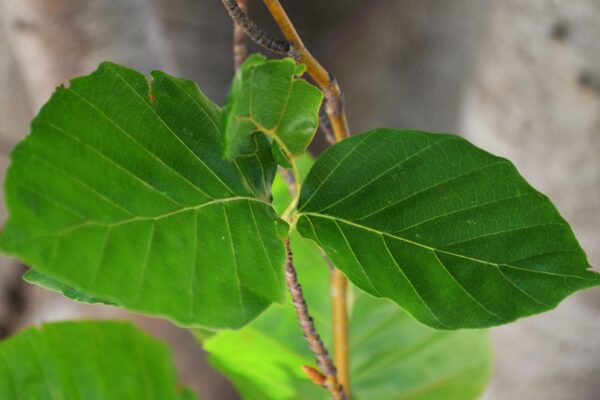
pixel 36 278
pixel 267 96
pixel 451 233
pixel 87 360
pixel 119 193
pixel 392 356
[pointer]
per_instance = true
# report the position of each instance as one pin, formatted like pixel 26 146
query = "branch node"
pixel 314 375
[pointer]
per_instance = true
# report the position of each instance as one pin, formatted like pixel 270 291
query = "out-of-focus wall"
pixel 521 79
pixel 534 97
pixel 42 45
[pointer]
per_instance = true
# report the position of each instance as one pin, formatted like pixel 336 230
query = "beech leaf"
pixel 268 96
pixel 392 355
pixel 451 233
pixel 119 194
pixel 87 360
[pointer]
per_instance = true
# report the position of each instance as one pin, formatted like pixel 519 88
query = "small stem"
pixel 336 113
pixel 308 328
pixel 339 295
pixel 239 39
pixel 335 109
pixel 289 179
pixel 253 31
pixel 325 126
pixel 295 192
pixel 315 376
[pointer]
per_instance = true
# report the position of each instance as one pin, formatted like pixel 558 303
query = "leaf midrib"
pixel 144 218
pixel 436 250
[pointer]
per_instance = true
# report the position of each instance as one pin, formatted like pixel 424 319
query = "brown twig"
pixel 314 375
pixel 325 126
pixel 339 125
pixel 239 38
pixel 253 31
pixel 310 333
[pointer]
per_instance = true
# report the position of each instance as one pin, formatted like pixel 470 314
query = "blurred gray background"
pixel 519 78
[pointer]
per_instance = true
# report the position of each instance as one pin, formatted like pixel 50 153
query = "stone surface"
pixel 534 98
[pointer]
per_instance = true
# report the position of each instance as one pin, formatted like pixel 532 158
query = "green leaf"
pixel 451 233
pixel 119 193
pixel 87 360
pixel 36 278
pixel 392 355
pixel 267 96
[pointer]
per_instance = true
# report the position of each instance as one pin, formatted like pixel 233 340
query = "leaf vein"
pixel 171 131
pixel 467 292
pixel 235 262
pixel 385 172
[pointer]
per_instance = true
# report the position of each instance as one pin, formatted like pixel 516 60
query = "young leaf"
pixel 392 355
pixel 449 232
pixel 119 193
pixel 87 360
pixel 267 96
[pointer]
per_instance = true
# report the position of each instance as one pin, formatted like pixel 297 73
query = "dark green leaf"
pixel 267 96
pixel 120 193
pixel 449 232
pixel 392 355
pixel 87 360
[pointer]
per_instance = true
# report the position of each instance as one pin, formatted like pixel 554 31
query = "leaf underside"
pixel 450 232
pixel 87 360
pixel 392 355
pixel 119 193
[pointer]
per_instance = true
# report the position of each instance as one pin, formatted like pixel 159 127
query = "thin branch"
pixel 339 295
pixel 253 31
pixel 239 38
pixel 293 183
pixel 325 126
pixel 339 124
pixel 310 333
pixel 314 375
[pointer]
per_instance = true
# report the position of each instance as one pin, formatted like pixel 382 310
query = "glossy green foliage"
pixel 87 360
pixel 119 193
pixel 267 96
pixel 451 233
pixel 392 355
